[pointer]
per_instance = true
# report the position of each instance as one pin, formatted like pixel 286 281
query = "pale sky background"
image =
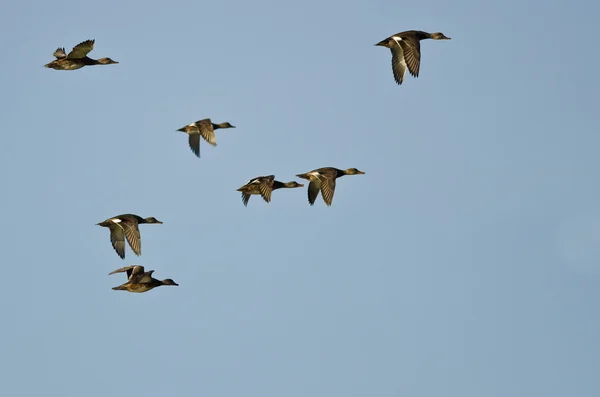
pixel 465 262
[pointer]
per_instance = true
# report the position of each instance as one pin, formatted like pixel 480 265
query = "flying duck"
pixel 205 129
pixel 406 51
pixel 264 185
pixel 126 226
pixel 323 179
pixel 139 280
pixel 77 58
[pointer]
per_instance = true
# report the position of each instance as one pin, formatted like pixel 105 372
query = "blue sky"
pixel 465 262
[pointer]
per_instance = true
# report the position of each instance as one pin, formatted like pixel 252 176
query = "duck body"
pixel 138 280
pixel 205 129
pixel 125 226
pixel 264 186
pixel 77 58
pixel 323 180
pixel 406 51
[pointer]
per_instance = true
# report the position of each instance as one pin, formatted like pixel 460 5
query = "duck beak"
pixel 360 173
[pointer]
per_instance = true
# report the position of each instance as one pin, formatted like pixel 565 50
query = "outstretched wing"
pixel 398 62
pixel 412 55
pixel 206 130
pixel 133 270
pixel 266 187
pixel 117 238
pixel 245 198
pixel 194 142
pixel 81 49
pixel 327 189
pixel 313 191
pixel 132 233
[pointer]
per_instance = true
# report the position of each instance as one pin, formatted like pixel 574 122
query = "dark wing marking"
pixel 117 238
pixel 194 141
pixel 245 198
pixel 81 49
pixel 313 191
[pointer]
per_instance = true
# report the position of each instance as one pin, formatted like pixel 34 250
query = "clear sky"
pixel 464 263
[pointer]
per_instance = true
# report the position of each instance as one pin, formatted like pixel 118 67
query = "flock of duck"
pixel 406 54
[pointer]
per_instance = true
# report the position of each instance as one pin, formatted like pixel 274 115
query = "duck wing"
pixel 132 233
pixel 398 61
pixel 327 190
pixel 144 278
pixel 412 55
pixel 194 142
pixel 60 53
pixel 245 198
pixel 117 239
pixel 313 190
pixel 133 270
pixel 206 131
pixel 81 49
pixel 266 187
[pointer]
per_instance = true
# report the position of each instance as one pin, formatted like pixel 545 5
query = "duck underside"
pixel 135 289
pixel 64 66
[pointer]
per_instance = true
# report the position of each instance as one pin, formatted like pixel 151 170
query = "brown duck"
pixel 77 58
pixel 139 280
pixel 323 179
pixel 126 226
pixel 406 51
pixel 205 129
pixel 264 185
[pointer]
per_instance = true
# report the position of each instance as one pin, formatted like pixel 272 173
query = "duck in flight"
pixel 139 280
pixel 406 51
pixel 205 129
pixel 323 180
pixel 77 58
pixel 126 226
pixel 264 186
